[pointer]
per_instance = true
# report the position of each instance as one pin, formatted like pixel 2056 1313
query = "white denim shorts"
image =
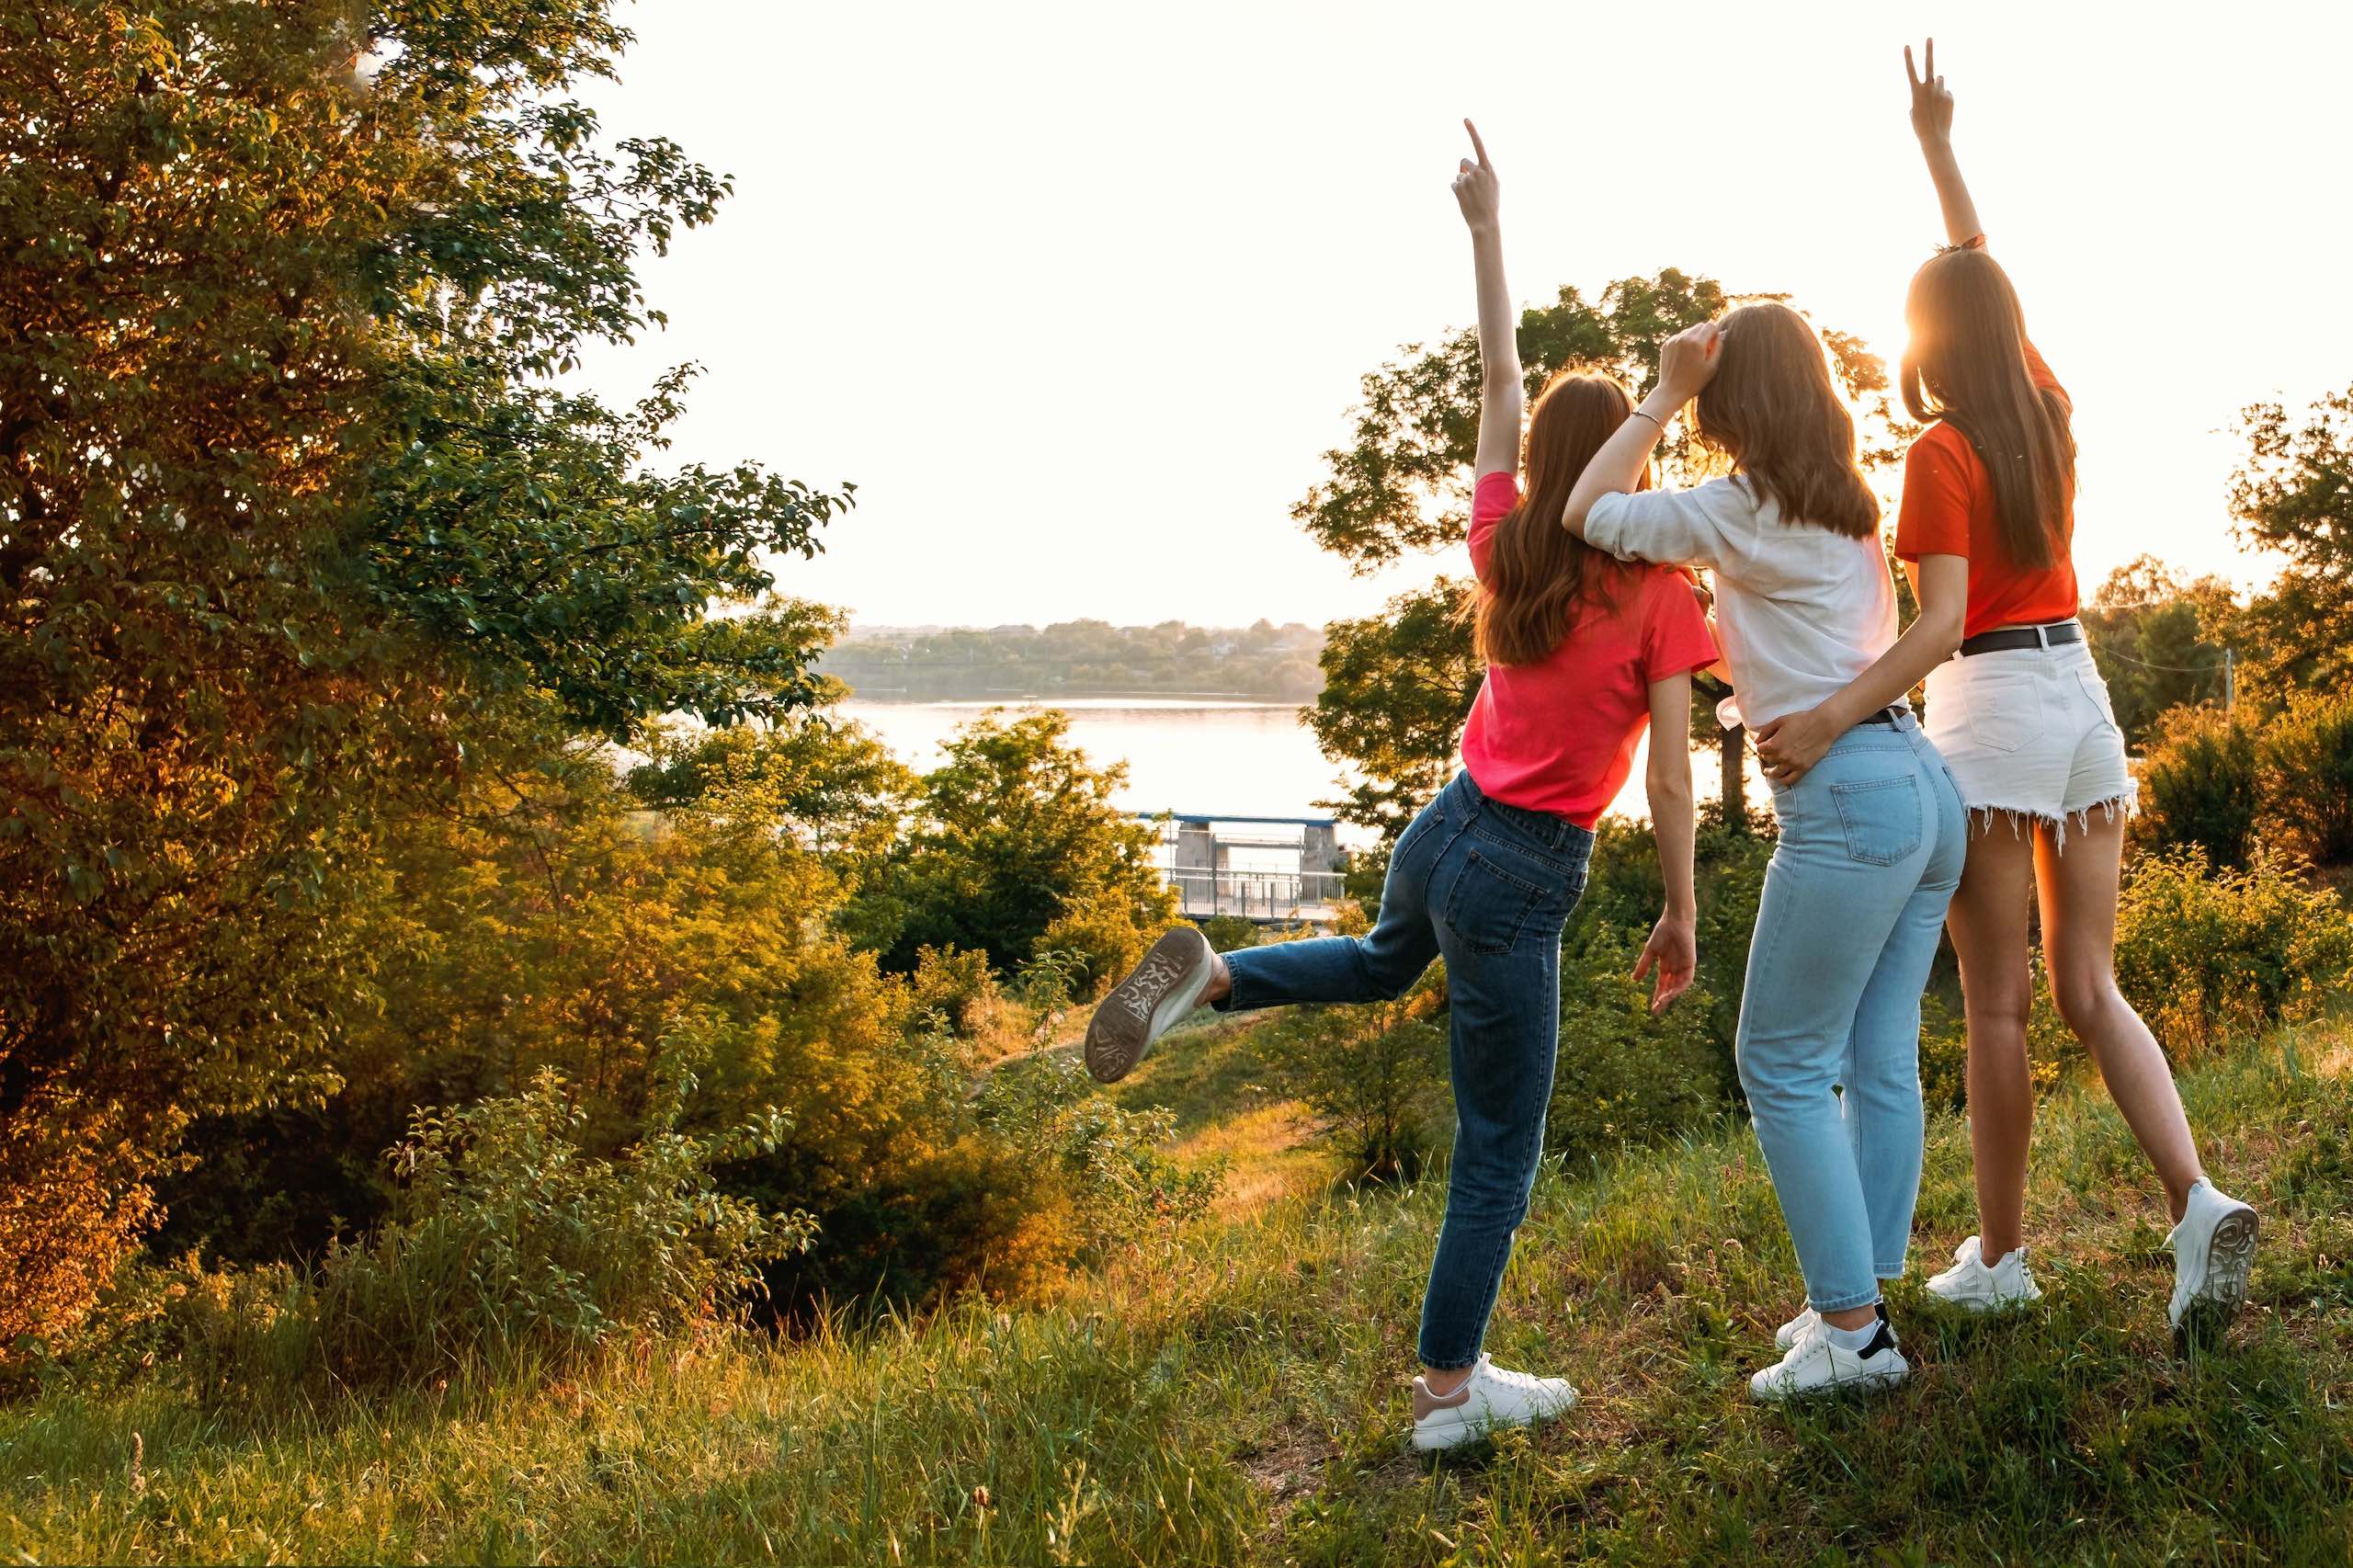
pixel 2029 730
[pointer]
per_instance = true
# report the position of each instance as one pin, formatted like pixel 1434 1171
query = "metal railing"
pixel 1255 896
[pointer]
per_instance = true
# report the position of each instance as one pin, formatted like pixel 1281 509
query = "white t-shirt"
pixel 1800 610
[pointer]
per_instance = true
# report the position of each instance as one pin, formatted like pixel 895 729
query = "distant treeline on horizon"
pixel 1080 658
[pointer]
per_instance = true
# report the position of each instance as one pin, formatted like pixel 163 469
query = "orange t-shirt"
pixel 1948 510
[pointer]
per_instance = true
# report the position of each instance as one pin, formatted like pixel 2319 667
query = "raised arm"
pixel 1502 395
pixel 1686 364
pixel 1673 948
pixel 1932 124
pixel 1791 745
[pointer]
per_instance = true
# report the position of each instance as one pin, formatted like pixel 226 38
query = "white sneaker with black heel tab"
pixel 1489 1398
pixel 1976 1286
pixel 1164 987
pixel 1816 1364
pixel 2213 1251
pixel 1790 1333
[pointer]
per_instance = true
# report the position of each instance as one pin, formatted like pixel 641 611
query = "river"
pixel 1198 756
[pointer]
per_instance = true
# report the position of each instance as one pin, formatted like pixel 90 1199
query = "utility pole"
pixel 2230 679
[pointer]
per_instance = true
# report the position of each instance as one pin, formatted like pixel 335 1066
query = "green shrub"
pixel 1624 893
pixel 1376 1074
pixel 2308 775
pixel 1105 931
pixel 2200 786
pixel 2204 952
pixel 508 1244
pixel 1227 932
pixel 1624 1076
pixel 1047 1113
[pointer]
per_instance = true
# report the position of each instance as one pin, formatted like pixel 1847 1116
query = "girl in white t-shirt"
pixel 1871 840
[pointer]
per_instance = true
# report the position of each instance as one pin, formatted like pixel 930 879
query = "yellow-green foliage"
pixel 1624 1076
pixel 2201 786
pixel 2201 951
pixel 2308 774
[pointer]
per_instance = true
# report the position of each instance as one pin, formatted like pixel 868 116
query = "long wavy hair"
pixel 1539 575
pixel 1773 410
pixel 1966 364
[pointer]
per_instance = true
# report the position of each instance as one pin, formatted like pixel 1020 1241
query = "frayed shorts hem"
pixel 2126 802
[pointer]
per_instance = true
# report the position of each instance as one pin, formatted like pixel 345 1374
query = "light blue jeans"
pixel 1871 846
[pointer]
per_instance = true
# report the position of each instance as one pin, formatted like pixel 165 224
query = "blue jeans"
pixel 1829 1048
pixel 1489 887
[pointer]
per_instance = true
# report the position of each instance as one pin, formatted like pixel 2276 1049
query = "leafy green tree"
pixel 2293 494
pixel 1398 687
pixel 2152 635
pixel 1015 830
pixel 287 514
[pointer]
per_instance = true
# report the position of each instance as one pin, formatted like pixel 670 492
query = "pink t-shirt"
pixel 1559 736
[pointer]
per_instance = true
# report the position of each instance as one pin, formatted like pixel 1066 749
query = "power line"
pixel 2174 669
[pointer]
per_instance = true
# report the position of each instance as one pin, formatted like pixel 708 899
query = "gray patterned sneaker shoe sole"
pixel 2230 1259
pixel 1159 991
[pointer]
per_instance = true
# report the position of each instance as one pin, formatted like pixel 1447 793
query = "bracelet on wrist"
pixel 1653 418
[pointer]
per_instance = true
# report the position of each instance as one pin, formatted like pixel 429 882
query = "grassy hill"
pixel 1238 1394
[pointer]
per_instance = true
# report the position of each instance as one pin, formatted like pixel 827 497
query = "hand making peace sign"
pixel 1931 103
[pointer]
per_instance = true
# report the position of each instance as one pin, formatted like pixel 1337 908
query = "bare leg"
pixel 1220 985
pixel 1988 923
pixel 2078 891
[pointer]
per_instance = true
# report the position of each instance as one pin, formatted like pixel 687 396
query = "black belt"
pixel 1887 716
pixel 2050 636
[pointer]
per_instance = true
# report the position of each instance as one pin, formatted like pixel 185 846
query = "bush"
pixel 1046 1111
pixel 2202 953
pixel 1625 1077
pixel 1376 1074
pixel 508 1244
pixel 1228 932
pixel 2200 786
pixel 1624 893
pixel 2307 756
pixel 957 985
pixel 1104 931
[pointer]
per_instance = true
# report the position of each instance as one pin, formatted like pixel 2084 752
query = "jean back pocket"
pixel 1881 818
pixel 1487 907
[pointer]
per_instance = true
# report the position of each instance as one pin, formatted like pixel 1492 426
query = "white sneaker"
pixel 1489 1398
pixel 1970 1284
pixel 1814 1365
pixel 1790 1333
pixel 2213 1249
pixel 1158 992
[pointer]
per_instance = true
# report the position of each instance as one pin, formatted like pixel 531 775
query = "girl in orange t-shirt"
pixel 2022 718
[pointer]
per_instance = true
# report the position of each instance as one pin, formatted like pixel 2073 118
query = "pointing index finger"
pixel 1476 145
pixel 1908 69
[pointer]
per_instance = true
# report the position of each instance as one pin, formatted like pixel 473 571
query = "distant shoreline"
pixel 1012 697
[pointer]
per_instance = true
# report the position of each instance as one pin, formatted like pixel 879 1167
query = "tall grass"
pixel 1236 1393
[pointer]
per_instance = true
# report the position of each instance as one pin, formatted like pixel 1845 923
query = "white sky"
pixel 1078 295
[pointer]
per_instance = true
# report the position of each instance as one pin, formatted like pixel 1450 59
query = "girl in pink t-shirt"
pixel 1583 653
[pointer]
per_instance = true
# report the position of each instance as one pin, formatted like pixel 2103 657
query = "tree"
pixel 2293 494
pixel 1014 833
pixel 1398 687
pixel 286 516
pixel 2153 639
